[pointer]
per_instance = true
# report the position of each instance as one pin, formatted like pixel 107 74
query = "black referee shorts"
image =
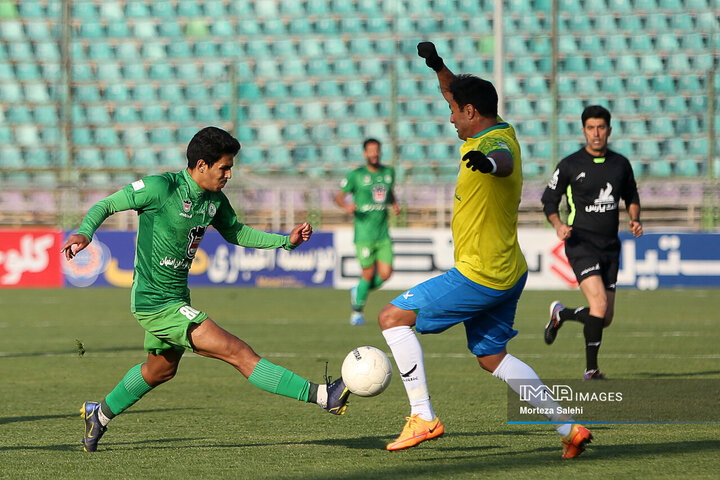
pixel 591 255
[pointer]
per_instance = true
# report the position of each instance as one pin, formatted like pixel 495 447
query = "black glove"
pixel 427 51
pixel 479 161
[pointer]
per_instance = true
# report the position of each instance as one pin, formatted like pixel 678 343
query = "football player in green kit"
pixel 175 210
pixel 371 187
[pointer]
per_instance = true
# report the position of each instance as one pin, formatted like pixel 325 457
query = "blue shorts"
pixel 452 298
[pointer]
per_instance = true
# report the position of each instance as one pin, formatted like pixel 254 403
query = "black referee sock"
pixel 576 314
pixel 593 337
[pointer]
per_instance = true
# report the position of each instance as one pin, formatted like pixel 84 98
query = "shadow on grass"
pixel 35 418
pixel 70 352
pixel 677 375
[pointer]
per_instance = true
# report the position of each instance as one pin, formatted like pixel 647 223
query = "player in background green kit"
pixel 371 187
pixel 175 210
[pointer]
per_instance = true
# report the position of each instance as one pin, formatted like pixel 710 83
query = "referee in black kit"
pixel 593 179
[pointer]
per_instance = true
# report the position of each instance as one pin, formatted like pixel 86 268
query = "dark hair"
pixel 210 144
pixel 596 111
pixel 369 141
pixel 481 94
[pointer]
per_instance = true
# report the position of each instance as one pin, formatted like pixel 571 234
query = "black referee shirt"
pixel 593 187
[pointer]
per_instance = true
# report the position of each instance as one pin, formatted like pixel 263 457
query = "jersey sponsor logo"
pixel 379 193
pixel 138 185
pixel 552 184
pixel 605 202
pixel 372 208
pixel 195 236
pixel 176 263
pixel 212 209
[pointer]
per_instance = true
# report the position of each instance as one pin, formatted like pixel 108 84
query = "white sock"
pixel 408 354
pixel 322 395
pixel 101 416
pixel 515 372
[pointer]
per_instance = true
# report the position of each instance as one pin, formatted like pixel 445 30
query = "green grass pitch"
pixel 209 422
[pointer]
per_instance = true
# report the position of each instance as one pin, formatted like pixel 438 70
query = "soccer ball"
pixel 366 371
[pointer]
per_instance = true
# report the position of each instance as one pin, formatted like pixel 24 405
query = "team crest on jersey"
pixel 187 206
pixel 379 193
pixel 388 179
pixel 212 209
pixel 195 236
pixel 366 180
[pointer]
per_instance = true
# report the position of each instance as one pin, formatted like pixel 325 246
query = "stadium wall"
pixel 31 258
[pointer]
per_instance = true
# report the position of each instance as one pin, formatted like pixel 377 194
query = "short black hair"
pixel 369 141
pixel 480 93
pixel 596 111
pixel 210 144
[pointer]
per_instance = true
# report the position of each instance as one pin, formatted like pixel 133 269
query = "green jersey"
pixel 174 213
pixel 372 193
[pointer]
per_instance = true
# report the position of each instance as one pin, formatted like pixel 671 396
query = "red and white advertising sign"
pixel 30 258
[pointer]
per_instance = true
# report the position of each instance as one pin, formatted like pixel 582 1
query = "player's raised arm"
pixel 427 51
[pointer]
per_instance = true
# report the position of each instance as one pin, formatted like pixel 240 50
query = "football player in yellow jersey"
pixel 483 289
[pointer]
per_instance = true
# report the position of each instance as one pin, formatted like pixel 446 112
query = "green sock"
pixel 363 289
pixel 376 282
pixel 276 379
pixel 130 389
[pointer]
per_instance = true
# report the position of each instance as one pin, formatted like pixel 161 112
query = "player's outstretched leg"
pixel 555 322
pixel 574 443
pixel 416 430
pixel 93 428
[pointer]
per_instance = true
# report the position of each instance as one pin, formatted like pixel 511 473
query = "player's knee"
pixel 158 376
pixel 388 317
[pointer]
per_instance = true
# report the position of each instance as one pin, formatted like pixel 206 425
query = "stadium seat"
pixel 687 125
pixel 118 29
pixel 354 88
pixel 171 29
pixel 675 104
pixel 605 23
pixel 37 158
pixel 659 167
pixel 667 42
pixel 703 62
pixel 567 44
pixel 162 135
pixel 88 158
pixel 112 10
pixel 675 146
pixel 19 114
pixel 135 136
pixel 45 115
pixel 698 104
pixel 687 167
pixel 27 135
pixel 679 63
pixel 690 83
pixel 179 113
pixel 106 136
pixel 20 51
pixel 115 158
pixel 637 84
pixel 699 146
pixel 536 85
pixel 108 71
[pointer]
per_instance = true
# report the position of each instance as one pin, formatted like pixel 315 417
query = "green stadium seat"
pixel 116 92
pixel 354 88
pixel 351 25
pixel 687 167
pixel 658 167
pixel 206 113
pixel 284 47
pixel 38 31
pixel 690 83
pixel 344 66
pixel 707 21
pixel 20 51
pixel 662 84
pixel 115 158
pixel 6 72
pixel 648 149
pixel 703 62
pixel 214 9
pixel 51 136
pixel 84 11
pixel 625 106
pixel 575 64
pixel 135 136
pixel 125 114
pixel 136 10
pixel 109 71
pixel 518 108
pixel 111 10
pixel 590 44
pixel 19 114
pixel 675 104
pixel 118 29
pixel 667 42
pixel 661 126
pixel 337 110
pixel 349 131
pixel 567 45
pixel 144 157
pixel 36 93
pixel 411 152
pixel 106 136
pixel 37 158
pixel 377 130
pixel 699 146
pixel 301 89
pixel 650 63
pixel 51 72
pixel 143 92
pixel 365 109
pixel 328 88
pixel 45 115
pixel 285 111
pixel 404 26
pixel 313 111
pixel 91 30
pixel 127 51
pixel 377 25
pixel 318 67
pixel 649 104
pixel 334 47
pixel 300 26
pixel 675 146
pixel 292 67
pixel 177 49
pixel 416 109
pixel 385 46
pixel 321 133
pixel 688 125
pixel 427 129
pixel 587 86
pixel 698 104
pixel 189 8
pixel 170 28
pixel 276 89
pixel 679 62
pixel 32 10
pixel 97 115
pixel 196 27
pixel 6 138
pixel 627 64
pixel 134 71
pixel 274 27
pixel 197 92
pixel 536 85
pixel 162 136
pixel 88 158
pixel 222 27
pixel 258 111
pixel 326 26
pixel 266 67
pixel 152 113
pixel 187 71
pixel 77 113
pixel 637 84
pixel 245 133
pixel 213 70
pixel 205 48
pixel 161 71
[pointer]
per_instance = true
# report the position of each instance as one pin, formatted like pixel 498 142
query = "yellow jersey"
pixel 485 214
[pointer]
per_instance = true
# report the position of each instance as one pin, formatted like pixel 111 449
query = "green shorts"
pixel 371 252
pixel 167 329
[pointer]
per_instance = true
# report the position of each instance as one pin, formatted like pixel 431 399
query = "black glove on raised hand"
pixel 479 161
pixel 427 51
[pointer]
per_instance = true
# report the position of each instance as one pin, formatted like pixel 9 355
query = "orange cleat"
pixel 417 430
pixel 574 444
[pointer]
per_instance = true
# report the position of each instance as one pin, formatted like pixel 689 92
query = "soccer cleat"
pixel 337 396
pixel 574 444
pixel 357 318
pixel 93 428
pixel 555 323
pixel 593 375
pixel 416 430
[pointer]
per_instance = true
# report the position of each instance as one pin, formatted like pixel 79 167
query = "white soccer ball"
pixel 366 371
